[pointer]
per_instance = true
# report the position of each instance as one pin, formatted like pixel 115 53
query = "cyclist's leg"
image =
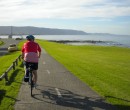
pixel 24 63
pixel 35 67
pixel 35 76
pixel 26 77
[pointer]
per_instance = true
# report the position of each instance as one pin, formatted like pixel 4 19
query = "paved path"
pixel 7 42
pixel 58 89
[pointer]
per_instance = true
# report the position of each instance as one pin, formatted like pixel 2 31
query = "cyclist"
pixel 31 53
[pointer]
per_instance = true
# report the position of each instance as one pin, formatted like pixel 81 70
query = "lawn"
pixel 9 92
pixel 1 43
pixel 105 69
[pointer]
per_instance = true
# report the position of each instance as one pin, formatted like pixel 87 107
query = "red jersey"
pixel 30 50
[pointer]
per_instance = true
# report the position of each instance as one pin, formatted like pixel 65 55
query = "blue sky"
pixel 92 16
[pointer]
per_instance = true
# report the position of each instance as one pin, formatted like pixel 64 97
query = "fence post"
pixel 6 76
pixel 17 62
pixel 14 65
pixel 19 57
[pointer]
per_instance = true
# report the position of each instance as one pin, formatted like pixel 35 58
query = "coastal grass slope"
pixel 105 69
pixel 9 91
pixel 1 42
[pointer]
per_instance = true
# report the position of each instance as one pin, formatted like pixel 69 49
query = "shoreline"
pixel 89 42
pixel 84 42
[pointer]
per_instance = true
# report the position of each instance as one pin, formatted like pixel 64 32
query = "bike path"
pixel 58 89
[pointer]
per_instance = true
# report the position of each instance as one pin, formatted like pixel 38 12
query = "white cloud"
pixel 16 10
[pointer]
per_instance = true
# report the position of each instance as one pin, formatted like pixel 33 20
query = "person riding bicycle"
pixel 31 52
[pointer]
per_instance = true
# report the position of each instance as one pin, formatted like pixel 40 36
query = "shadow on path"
pixel 70 99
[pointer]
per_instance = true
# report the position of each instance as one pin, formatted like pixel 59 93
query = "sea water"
pixel 119 40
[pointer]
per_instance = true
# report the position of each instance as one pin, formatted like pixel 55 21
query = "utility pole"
pixel 11 32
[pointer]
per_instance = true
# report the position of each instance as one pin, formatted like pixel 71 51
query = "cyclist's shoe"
pixel 26 79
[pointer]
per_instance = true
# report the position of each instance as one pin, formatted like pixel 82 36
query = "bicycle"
pixel 30 82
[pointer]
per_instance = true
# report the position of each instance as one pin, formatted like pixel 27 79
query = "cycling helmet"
pixel 30 37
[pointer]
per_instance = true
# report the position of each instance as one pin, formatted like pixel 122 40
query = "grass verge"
pixel 105 69
pixel 9 92
pixel 1 42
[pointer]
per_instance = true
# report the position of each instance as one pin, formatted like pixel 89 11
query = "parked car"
pixel 12 47
pixel 18 38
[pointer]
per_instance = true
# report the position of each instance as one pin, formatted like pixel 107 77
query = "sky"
pixel 92 16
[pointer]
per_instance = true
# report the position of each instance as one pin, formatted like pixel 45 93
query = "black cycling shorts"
pixel 34 65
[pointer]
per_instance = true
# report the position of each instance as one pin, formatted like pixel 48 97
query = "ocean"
pixel 110 39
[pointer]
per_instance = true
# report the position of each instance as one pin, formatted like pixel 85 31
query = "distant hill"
pixel 26 30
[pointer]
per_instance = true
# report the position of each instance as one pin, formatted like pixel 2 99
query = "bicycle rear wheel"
pixel 31 83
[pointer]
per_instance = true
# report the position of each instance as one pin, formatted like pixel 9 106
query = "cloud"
pixel 16 10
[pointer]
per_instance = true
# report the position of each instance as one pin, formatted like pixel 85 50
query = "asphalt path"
pixel 58 89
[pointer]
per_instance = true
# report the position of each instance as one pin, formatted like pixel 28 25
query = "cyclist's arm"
pixel 39 54
pixel 39 51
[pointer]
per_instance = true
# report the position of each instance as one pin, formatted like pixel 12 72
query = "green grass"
pixel 9 92
pixel 105 69
pixel 1 42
